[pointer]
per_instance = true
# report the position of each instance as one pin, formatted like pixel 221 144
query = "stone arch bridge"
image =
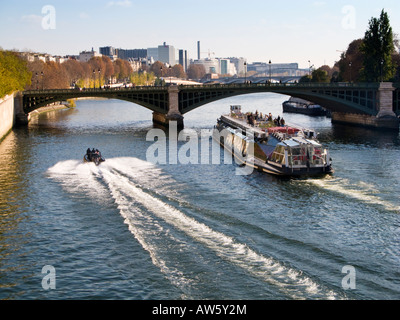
pixel 369 104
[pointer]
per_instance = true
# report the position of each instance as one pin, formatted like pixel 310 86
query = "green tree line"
pixel 14 73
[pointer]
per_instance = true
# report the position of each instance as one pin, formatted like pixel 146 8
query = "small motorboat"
pixel 94 156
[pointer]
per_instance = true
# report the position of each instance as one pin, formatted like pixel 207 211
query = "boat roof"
pixel 290 143
pixel 296 142
pixel 306 141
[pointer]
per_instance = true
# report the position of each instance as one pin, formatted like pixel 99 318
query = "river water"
pixel 131 229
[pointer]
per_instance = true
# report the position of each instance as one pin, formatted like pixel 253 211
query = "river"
pixel 131 229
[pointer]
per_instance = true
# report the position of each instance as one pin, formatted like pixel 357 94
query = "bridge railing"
pixel 93 90
pixel 333 85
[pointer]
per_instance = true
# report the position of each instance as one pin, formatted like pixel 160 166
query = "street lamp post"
pixel 170 75
pixel 42 80
pixel 245 72
pixel 99 79
pixel 350 65
pixel 94 79
pixel 382 70
pixel 270 76
pixel 161 69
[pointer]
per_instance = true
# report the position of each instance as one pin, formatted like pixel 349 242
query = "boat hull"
pixel 314 112
pixel 279 171
pixel 96 160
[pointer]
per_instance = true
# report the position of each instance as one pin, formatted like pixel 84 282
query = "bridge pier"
pixel 163 120
pixel 21 118
pixel 385 119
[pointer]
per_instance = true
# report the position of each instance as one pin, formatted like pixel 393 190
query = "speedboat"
pixel 94 156
pixel 281 150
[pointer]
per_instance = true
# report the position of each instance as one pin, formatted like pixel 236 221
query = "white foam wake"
pixel 268 269
pixel 362 191
pixel 142 212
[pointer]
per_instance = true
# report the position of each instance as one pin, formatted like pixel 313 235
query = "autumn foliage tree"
pixel 351 63
pixel 159 69
pixel 14 73
pixel 196 71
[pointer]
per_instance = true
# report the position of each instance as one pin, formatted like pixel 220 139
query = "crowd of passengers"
pixel 254 118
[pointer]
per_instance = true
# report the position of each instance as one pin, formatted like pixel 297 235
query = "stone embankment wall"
pixel 7 115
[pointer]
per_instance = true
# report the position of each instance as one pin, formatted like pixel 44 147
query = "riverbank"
pixel 10 115
pixel 54 107
pixel 7 115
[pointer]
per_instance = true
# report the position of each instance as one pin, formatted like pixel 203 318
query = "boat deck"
pixel 242 124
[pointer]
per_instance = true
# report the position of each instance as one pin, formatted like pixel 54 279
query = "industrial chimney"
pixel 198 50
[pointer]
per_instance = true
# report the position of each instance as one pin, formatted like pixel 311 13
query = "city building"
pixel 278 69
pixel 240 65
pixel 107 51
pixel 217 66
pixel 210 65
pixel 183 59
pixel 125 54
pixel 152 53
pixel 85 56
pixel 166 54
pixel 227 67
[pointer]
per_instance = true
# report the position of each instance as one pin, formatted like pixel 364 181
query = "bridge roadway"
pixel 370 102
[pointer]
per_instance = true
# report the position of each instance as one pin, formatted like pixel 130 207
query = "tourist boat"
pixel 287 151
pixel 295 105
pixel 94 156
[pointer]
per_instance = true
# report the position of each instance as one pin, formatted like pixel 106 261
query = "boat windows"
pixel 278 155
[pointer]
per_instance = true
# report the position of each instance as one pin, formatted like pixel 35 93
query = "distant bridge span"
pixel 375 100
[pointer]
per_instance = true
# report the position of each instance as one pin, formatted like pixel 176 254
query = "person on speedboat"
pixel 89 154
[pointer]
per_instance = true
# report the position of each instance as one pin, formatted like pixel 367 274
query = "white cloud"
pixel 124 3
pixel 32 18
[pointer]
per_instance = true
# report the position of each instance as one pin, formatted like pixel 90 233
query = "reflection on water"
pixel 13 210
pixel 358 135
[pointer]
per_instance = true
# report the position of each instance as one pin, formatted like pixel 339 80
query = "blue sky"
pixel 283 31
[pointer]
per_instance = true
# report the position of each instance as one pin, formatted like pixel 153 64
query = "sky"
pixel 309 32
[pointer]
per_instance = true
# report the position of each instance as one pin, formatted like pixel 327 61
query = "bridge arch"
pixel 347 99
pixel 153 99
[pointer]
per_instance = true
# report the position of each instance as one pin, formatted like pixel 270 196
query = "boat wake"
pixel 361 191
pixel 151 207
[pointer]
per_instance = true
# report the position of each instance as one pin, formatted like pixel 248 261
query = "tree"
pixel 122 69
pixel 159 69
pixel 378 47
pixel 14 74
pixel 178 72
pixel 320 75
pixel 75 71
pixel 351 63
pixel 305 79
pixel 196 71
